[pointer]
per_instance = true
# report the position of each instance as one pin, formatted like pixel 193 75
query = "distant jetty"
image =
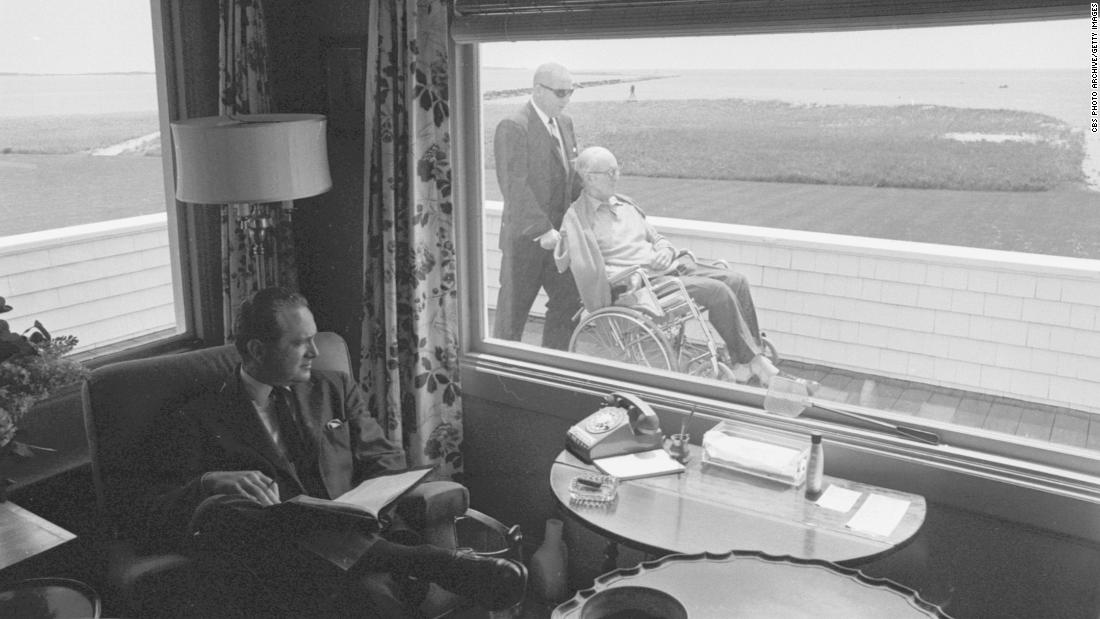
pixel 515 92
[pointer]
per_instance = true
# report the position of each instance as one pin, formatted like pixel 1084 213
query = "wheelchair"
pixel 657 325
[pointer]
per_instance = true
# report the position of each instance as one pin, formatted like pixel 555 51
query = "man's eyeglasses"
pixel 560 93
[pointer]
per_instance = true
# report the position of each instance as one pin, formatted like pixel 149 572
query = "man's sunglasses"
pixel 560 93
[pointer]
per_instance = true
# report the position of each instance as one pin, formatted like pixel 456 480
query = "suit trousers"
pixel 526 268
pixel 295 581
pixel 727 297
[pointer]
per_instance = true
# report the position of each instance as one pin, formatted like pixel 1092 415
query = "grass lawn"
pixel 876 171
pixel 1063 222
pixel 869 146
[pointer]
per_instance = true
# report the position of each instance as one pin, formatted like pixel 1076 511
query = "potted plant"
pixel 33 365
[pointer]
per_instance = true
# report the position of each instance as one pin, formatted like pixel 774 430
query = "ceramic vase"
pixel 548 565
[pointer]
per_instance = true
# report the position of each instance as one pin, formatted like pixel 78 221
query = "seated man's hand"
pixel 663 259
pixel 249 484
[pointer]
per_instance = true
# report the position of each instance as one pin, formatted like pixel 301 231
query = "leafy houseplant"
pixel 32 366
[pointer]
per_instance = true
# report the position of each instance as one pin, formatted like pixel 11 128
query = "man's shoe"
pixel 489 582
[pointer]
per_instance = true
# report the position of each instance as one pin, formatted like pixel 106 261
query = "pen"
pixel 684 423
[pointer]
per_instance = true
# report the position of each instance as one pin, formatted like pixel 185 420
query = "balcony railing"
pixel 105 283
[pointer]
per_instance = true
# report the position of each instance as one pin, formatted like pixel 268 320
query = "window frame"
pixel 196 295
pixel 548 382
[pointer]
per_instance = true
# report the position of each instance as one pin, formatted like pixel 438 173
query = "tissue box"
pixel 770 454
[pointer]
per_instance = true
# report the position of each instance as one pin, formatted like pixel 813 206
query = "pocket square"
pixel 334 425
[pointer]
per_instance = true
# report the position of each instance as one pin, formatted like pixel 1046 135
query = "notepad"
pixel 838 499
pixel 637 465
pixel 879 515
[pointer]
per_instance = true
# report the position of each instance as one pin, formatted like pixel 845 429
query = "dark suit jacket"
pixel 533 179
pixel 222 432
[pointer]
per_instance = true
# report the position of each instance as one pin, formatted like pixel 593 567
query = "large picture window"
pixel 914 208
pixel 86 242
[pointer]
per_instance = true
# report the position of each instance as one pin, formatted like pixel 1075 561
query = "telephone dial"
pixel 625 424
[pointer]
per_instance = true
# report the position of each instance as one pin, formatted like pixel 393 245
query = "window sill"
pixel 951 474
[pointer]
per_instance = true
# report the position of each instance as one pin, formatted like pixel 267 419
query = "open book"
pixel 370 497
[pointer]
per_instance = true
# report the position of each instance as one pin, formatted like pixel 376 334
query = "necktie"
pixel 290 432
pixel 554 133
pixel 299 451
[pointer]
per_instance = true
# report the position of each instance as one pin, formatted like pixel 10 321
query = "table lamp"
pixel 251 159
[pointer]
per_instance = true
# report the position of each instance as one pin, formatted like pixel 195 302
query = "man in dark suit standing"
pixel 534 148
pixel 279 428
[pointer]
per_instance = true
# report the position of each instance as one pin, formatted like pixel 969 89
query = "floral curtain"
pixel 410 330
pixel 243 84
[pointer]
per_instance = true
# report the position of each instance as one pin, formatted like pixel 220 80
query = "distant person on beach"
pixel 534 148
pixel 631 92
pixel 605 233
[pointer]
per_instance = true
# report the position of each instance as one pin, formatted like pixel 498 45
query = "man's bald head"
pixel 550 72
pixel 594 158
pixel 599 170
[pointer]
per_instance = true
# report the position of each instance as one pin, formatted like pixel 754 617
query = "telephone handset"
pixel 624 425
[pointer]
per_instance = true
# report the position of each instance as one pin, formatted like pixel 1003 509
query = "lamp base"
pixel 260 228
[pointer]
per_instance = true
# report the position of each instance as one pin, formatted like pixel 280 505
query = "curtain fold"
pixel 409 367
pixel 244 89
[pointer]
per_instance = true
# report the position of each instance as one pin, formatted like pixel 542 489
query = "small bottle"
pixel 549 563
pixel 816 468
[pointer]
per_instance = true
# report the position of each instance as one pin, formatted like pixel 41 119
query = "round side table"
pixel 49 598
pixel 744 584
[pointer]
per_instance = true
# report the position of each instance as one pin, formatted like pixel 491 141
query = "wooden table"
pixel 24 534
pixel 716 510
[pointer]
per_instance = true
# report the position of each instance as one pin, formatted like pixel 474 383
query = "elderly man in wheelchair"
pixel 638 289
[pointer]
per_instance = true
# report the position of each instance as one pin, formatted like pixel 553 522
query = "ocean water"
pixel 60 95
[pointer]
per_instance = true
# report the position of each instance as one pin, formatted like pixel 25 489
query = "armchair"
pixel 123 404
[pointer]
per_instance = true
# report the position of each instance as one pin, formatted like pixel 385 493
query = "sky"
pixel 75 36
pixel 92 36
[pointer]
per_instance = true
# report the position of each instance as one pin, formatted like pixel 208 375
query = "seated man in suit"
pixel 276 429
pixel 605 233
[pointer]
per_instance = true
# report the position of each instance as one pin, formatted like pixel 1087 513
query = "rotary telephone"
pixel 625 424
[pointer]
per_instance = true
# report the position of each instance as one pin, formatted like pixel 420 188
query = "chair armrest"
pixel 139 580
pixel 432 507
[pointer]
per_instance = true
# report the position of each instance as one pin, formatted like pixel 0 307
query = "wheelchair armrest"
pixel 625 277
pixel 720 263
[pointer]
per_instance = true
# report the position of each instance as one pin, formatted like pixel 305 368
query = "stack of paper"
pixel 879 515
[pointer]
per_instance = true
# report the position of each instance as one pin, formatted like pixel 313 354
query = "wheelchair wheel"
pixel 623 334
pixel 703 368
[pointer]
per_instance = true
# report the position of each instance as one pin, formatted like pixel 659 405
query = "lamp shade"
pixel 250 158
